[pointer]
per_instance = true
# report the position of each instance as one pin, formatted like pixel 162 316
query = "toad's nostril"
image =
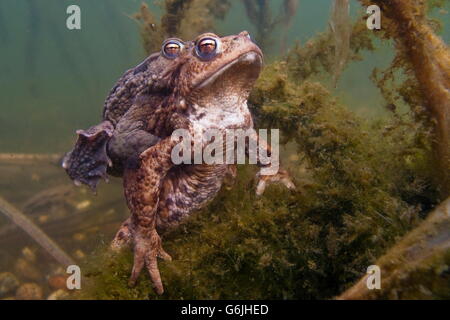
pixel 244 33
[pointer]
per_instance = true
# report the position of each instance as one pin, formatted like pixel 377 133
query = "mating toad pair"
pixel 203 83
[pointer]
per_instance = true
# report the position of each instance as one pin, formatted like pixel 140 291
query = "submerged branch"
pixel 35 232
pixel 11 157
pixel 341 28
pixel 408 264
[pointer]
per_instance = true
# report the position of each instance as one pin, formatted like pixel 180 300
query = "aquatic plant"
pixel 424 59
pixel 319 54
pixel 260 14
pixel 341 27
pixel 290 8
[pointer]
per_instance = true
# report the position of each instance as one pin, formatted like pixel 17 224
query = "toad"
pixel 189 85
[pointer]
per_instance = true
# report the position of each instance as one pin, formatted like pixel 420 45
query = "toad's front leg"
pixel 142 189
pixel 265 160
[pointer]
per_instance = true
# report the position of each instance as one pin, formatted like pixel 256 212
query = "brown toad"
pixel 188 85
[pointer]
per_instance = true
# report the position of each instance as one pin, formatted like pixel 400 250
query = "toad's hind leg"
pixel 142 185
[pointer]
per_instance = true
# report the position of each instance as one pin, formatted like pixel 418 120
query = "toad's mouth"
pixel 239 74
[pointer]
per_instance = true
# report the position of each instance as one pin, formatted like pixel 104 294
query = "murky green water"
pixel 54 81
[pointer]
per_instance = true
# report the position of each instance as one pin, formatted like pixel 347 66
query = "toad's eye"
pixel 207 48
pixel 172 48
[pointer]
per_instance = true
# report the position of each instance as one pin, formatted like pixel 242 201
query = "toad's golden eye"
pixel 172 48
pixel 207 48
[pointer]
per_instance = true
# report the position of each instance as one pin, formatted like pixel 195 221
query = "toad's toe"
pixel 281 177
pixel 123 236
pixel 146 253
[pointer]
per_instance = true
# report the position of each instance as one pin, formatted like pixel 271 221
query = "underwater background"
pixel 361 154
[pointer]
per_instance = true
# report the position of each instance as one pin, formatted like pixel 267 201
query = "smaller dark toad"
pixel 195 85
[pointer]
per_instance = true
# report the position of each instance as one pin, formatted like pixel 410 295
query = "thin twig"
pixel 29 157
pixel 35 232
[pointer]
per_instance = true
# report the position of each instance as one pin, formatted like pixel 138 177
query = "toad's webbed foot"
pixel 87 162
pixel 281 177
pixel 147 250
